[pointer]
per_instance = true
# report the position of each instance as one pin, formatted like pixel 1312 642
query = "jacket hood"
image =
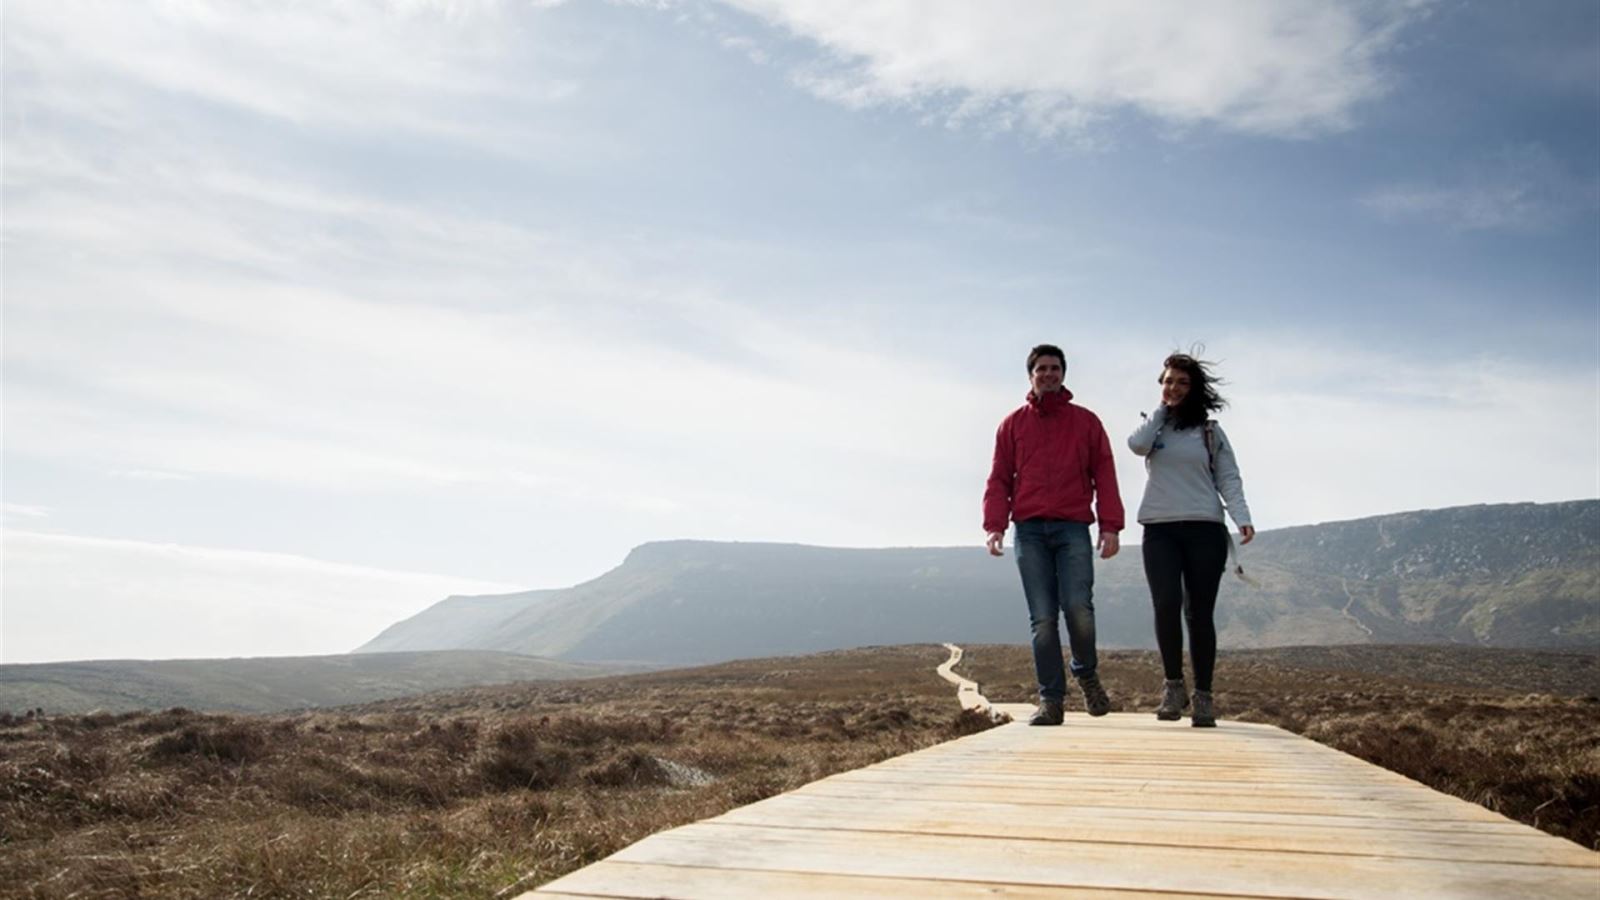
pixel 1050 403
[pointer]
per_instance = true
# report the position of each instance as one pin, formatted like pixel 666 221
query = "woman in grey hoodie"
pixel 1192 474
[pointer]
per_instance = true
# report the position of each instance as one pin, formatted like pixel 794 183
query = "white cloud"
pixel 425 68
pixel 188 74
pixel 70 597
pixel 151 475
pixel 504 380
pixel 1277 67
pixel 747 46
pixel 25 511
pixel 407 350
pixel 1329 431
pixel 199 311
pixel 1519 189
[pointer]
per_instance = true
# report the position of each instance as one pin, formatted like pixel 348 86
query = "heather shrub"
pixel 970 721
pixel 97 720
pixel 517 758
pixel 322 790
pixel 167 720
pixel 883 718
pixel 456 738
pixel 630 768
pixel 231 743
pixel 591 731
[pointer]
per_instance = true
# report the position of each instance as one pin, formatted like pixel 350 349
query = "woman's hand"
pixel 1247 533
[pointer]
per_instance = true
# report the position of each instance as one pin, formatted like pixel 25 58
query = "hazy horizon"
pixel 316 316
pixel 264 596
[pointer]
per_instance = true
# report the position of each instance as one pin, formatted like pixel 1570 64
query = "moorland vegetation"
pixel 476 793
pixel 490 791
pixel 269 683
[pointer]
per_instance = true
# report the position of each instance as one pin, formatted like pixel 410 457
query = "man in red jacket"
pixel 1051 461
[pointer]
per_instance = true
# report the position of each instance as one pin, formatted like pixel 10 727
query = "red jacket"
pixel 1051 458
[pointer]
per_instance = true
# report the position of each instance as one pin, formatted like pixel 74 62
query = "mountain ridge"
pixel 1473 574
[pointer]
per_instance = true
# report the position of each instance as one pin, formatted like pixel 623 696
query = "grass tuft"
pixel 239 742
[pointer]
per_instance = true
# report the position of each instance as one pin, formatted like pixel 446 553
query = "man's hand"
pixel 1109 544
pixel 1247 533
pixel 995 537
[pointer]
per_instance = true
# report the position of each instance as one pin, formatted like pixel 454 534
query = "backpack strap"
pixel 1211 449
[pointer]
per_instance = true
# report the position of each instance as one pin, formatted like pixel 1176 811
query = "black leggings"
pixel 1184 561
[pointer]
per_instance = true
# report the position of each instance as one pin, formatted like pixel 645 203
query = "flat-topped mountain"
pixel 1525 575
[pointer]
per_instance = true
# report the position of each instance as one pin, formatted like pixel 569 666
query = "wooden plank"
pixel 1421 807
pixel 1134 752
pixel 1091 769
pixel 992 820
pixel 1146 772
pixel 1128 757
pixel 1136 746
pixel 824 794
pixel 1226 796
pixel 1195 744
pixel 1146 751
pixel 1135 784
pixel 1140 742
pixel 1074 720
pixel 634 880
pixel 1017 711
pixel 1136 738
pixel 1262 873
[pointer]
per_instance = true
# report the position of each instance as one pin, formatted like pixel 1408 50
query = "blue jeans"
pixel 1056 560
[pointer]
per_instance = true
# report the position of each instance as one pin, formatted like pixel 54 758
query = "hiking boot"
pixel 1174 700
pixel 1048 713
pixel 1095 701
pixel 1204 716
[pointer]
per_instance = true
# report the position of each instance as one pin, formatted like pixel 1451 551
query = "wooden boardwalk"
pixel 1121 804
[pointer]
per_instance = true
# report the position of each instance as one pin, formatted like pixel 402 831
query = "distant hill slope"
pixel 452 623
pixel 266 684
pixel 1506 575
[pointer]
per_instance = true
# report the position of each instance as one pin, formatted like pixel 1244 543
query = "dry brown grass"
pixel 489 790
pixel 1517 732
pixel 458 795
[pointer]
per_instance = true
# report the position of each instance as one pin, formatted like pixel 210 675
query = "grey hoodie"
pixel 1180 487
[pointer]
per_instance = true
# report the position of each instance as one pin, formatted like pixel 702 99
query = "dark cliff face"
pixel 1507 575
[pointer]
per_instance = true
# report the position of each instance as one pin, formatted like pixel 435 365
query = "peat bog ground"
pixel 491 791
pixel 472 793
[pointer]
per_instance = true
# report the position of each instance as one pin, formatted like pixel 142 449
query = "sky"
pixel 317 312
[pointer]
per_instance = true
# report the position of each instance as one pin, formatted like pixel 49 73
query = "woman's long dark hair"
pixel 1202 399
